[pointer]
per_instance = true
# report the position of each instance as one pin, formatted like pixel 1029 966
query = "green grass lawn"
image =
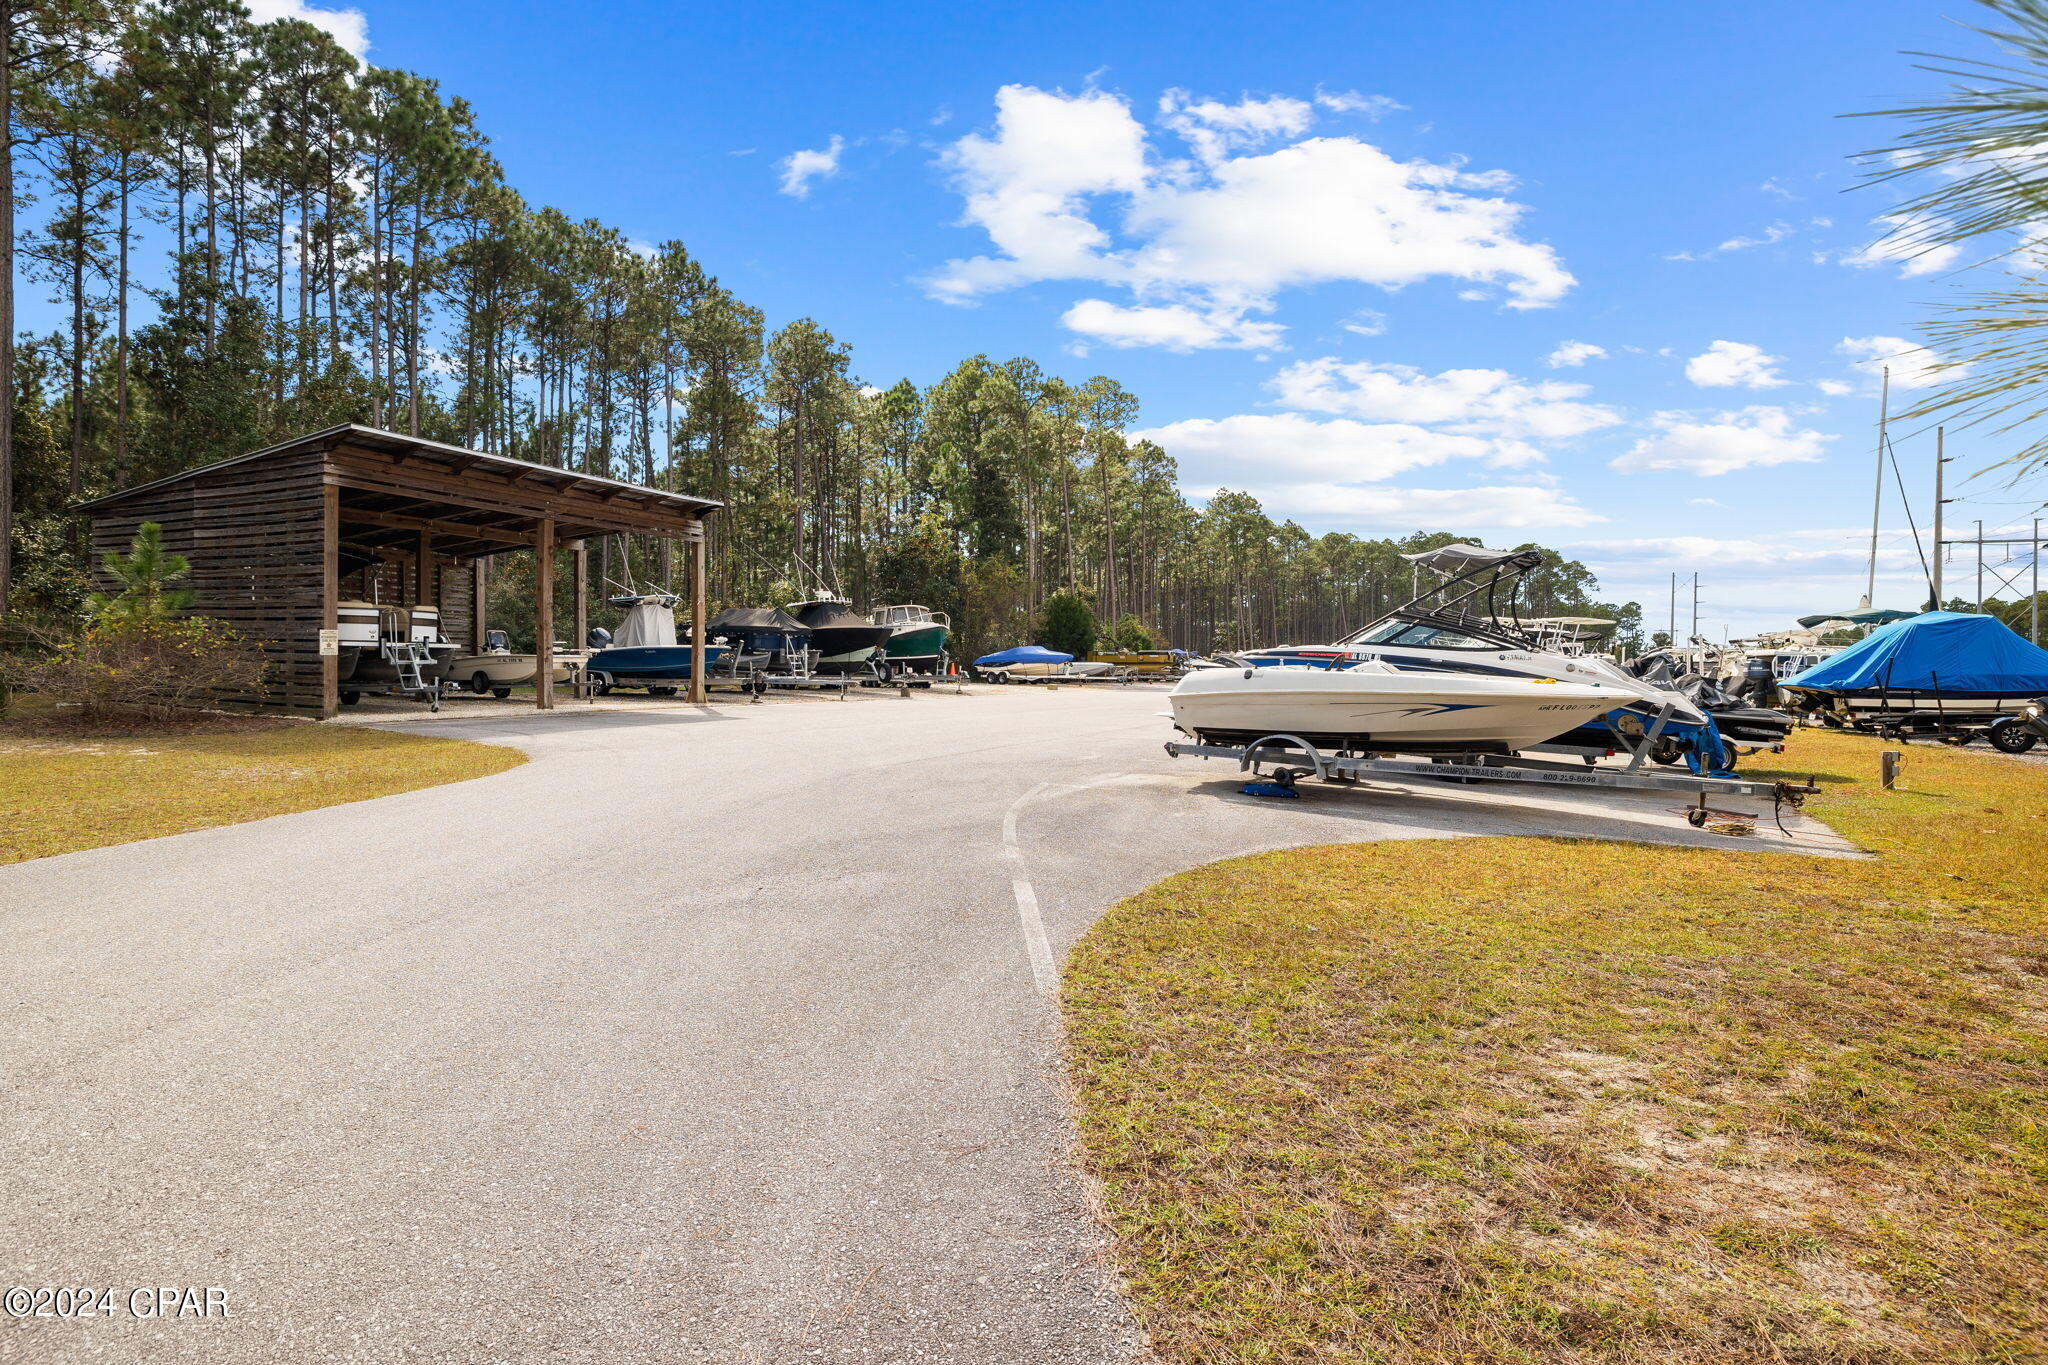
pixel 61 790
pixel 1531 1100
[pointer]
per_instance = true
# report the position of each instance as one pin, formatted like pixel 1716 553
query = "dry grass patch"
pixel 63 788
pixel 1564 1101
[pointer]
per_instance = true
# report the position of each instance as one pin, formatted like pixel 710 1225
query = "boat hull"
pixel 1383 711
pixel 844 649
pixel 1643 698
pixel 634 665
pixel 508 670
pixel 916 643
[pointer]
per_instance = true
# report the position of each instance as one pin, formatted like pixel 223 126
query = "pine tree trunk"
pixel 77 342
pixel 121 332
pixel 212 250
pixel 412 327
pixel 10 15
pixel 376 310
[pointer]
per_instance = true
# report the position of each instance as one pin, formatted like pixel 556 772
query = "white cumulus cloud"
pixel 1912 366
pixel 1071 187
pixel 346 26
pixel 1351 102
pixel 1745 578
pixel 1477 402
pixel 800 168
pixel 1570 355
pixel 1721 443
pixel 1213 128
pixel 1290 447
pixel 1735 364
pixel 1506 507
pixel 1176 326
pixel 1908 242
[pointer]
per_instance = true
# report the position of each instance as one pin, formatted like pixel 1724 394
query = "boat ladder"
pixel 409 657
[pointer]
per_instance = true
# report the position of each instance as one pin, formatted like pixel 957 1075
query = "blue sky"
pixel 1337 250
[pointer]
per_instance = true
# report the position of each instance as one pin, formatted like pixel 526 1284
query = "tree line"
pixel 246 234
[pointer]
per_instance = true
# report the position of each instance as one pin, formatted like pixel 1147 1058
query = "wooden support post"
pixel 582 596
pixel 423 576
pixel 698 691
pixel 480 592
pixel 330 596
pixel 544 617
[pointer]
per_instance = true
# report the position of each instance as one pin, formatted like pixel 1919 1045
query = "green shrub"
pixel 1130 633
pixel 1067 623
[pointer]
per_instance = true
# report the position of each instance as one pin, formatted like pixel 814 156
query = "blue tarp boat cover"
pixel 1946 651
pixel 1024 654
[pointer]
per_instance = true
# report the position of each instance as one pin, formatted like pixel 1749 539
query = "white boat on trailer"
pixel 1373 722
pixel 1372 706
pixel 497 668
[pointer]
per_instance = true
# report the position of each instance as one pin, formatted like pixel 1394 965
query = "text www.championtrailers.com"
pixel 148 1302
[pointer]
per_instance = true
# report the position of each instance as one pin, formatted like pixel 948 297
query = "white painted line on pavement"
pixel 1028 919
pixel 1043 974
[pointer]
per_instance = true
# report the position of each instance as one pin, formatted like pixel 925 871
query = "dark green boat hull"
pixel 925 642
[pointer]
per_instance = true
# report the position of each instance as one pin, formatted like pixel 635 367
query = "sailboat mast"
pixel 1940 461
pixel 1884 411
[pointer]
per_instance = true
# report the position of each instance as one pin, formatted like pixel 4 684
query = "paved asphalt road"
pixel 705 1036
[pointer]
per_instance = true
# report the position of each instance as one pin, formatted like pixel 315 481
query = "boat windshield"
pixel 1420 634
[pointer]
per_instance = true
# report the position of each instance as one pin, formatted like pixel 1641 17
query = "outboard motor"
pixel 599 638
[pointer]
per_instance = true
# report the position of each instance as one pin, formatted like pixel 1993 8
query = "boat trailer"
pixel 1291 758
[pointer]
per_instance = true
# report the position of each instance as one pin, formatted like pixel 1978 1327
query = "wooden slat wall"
pixel 254 536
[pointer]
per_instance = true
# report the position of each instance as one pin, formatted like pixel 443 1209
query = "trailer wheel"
pixel 2011 736
pixel 1667 752
pixel 480 682
pixel 501 692
pixel 351 698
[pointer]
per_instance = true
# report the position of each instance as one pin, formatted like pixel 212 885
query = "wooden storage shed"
pixel 279 536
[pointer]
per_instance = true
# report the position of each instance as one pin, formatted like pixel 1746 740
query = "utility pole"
pixel 1695 608
pixel 1884 411
pixel 1672 634
pixel 2010 582
pixel 1940 463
